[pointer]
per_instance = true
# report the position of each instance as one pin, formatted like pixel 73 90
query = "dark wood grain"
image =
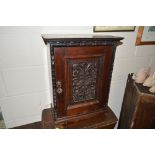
pixel 99 119
pixel 138 108
pixel 72 39
pixel 81 68
pixel 47 119
pixel 72 55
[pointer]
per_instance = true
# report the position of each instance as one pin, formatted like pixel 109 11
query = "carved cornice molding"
pixel 66 43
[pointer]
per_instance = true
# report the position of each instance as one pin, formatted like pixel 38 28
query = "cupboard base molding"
pixel 100 119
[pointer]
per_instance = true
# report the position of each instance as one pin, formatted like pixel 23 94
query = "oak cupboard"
pixel 81 75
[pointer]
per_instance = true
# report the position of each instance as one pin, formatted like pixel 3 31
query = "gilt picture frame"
pixel 113 28
pixel 145 35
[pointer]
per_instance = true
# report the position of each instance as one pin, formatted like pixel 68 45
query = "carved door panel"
pixel 82 78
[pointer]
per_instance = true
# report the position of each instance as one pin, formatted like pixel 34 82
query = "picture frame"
pixel 113 28
pixel 145 35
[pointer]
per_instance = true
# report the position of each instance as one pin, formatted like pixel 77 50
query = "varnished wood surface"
pixel 47 119
pixel 63 73
pixel 82 103
pixel 100 119
pixel 138 108
pixel 61 37
pixel 103 119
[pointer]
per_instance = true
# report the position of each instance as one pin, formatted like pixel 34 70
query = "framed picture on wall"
pixel 146 35
pixel 113 28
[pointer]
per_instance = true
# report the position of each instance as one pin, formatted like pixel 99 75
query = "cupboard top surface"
pixel 78 37
pixel 143 89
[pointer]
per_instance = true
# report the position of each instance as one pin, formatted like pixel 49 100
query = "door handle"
pixel 59 87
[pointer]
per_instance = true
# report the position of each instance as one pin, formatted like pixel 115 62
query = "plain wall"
pixel 25 85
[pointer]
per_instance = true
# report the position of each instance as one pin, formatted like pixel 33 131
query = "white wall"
pixel 24 65
pixel 24 89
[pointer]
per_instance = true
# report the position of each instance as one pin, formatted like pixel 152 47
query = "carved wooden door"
pixel 82 78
